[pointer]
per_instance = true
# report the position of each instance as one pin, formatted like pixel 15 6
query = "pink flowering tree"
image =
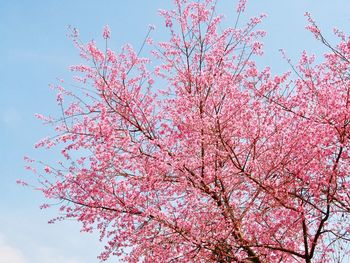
pixel 201 156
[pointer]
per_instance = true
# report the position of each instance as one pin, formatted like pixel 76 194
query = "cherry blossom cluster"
pixel 200 156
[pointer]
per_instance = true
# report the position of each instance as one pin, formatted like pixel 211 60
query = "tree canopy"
pixel 192 153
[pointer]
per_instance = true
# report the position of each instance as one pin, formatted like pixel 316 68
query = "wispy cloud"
pixel 10 254
pixel 37 254
pixel 52 255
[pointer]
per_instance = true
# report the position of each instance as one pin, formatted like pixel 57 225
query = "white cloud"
pixel 52 255
pixel 10 254
pixel 37 254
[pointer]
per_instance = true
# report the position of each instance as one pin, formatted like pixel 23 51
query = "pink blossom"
pixel 59 98
pixel 106 32
pixel 241 6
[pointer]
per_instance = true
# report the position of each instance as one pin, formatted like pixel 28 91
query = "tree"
pixel 223 163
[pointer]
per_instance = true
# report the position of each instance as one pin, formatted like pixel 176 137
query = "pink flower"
pixel 241 6
pixel 47 169
pixel 106 32
pixel 59 98
pixel 168 23
pixel 20 182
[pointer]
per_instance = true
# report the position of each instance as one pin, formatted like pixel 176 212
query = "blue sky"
pixel 34 51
